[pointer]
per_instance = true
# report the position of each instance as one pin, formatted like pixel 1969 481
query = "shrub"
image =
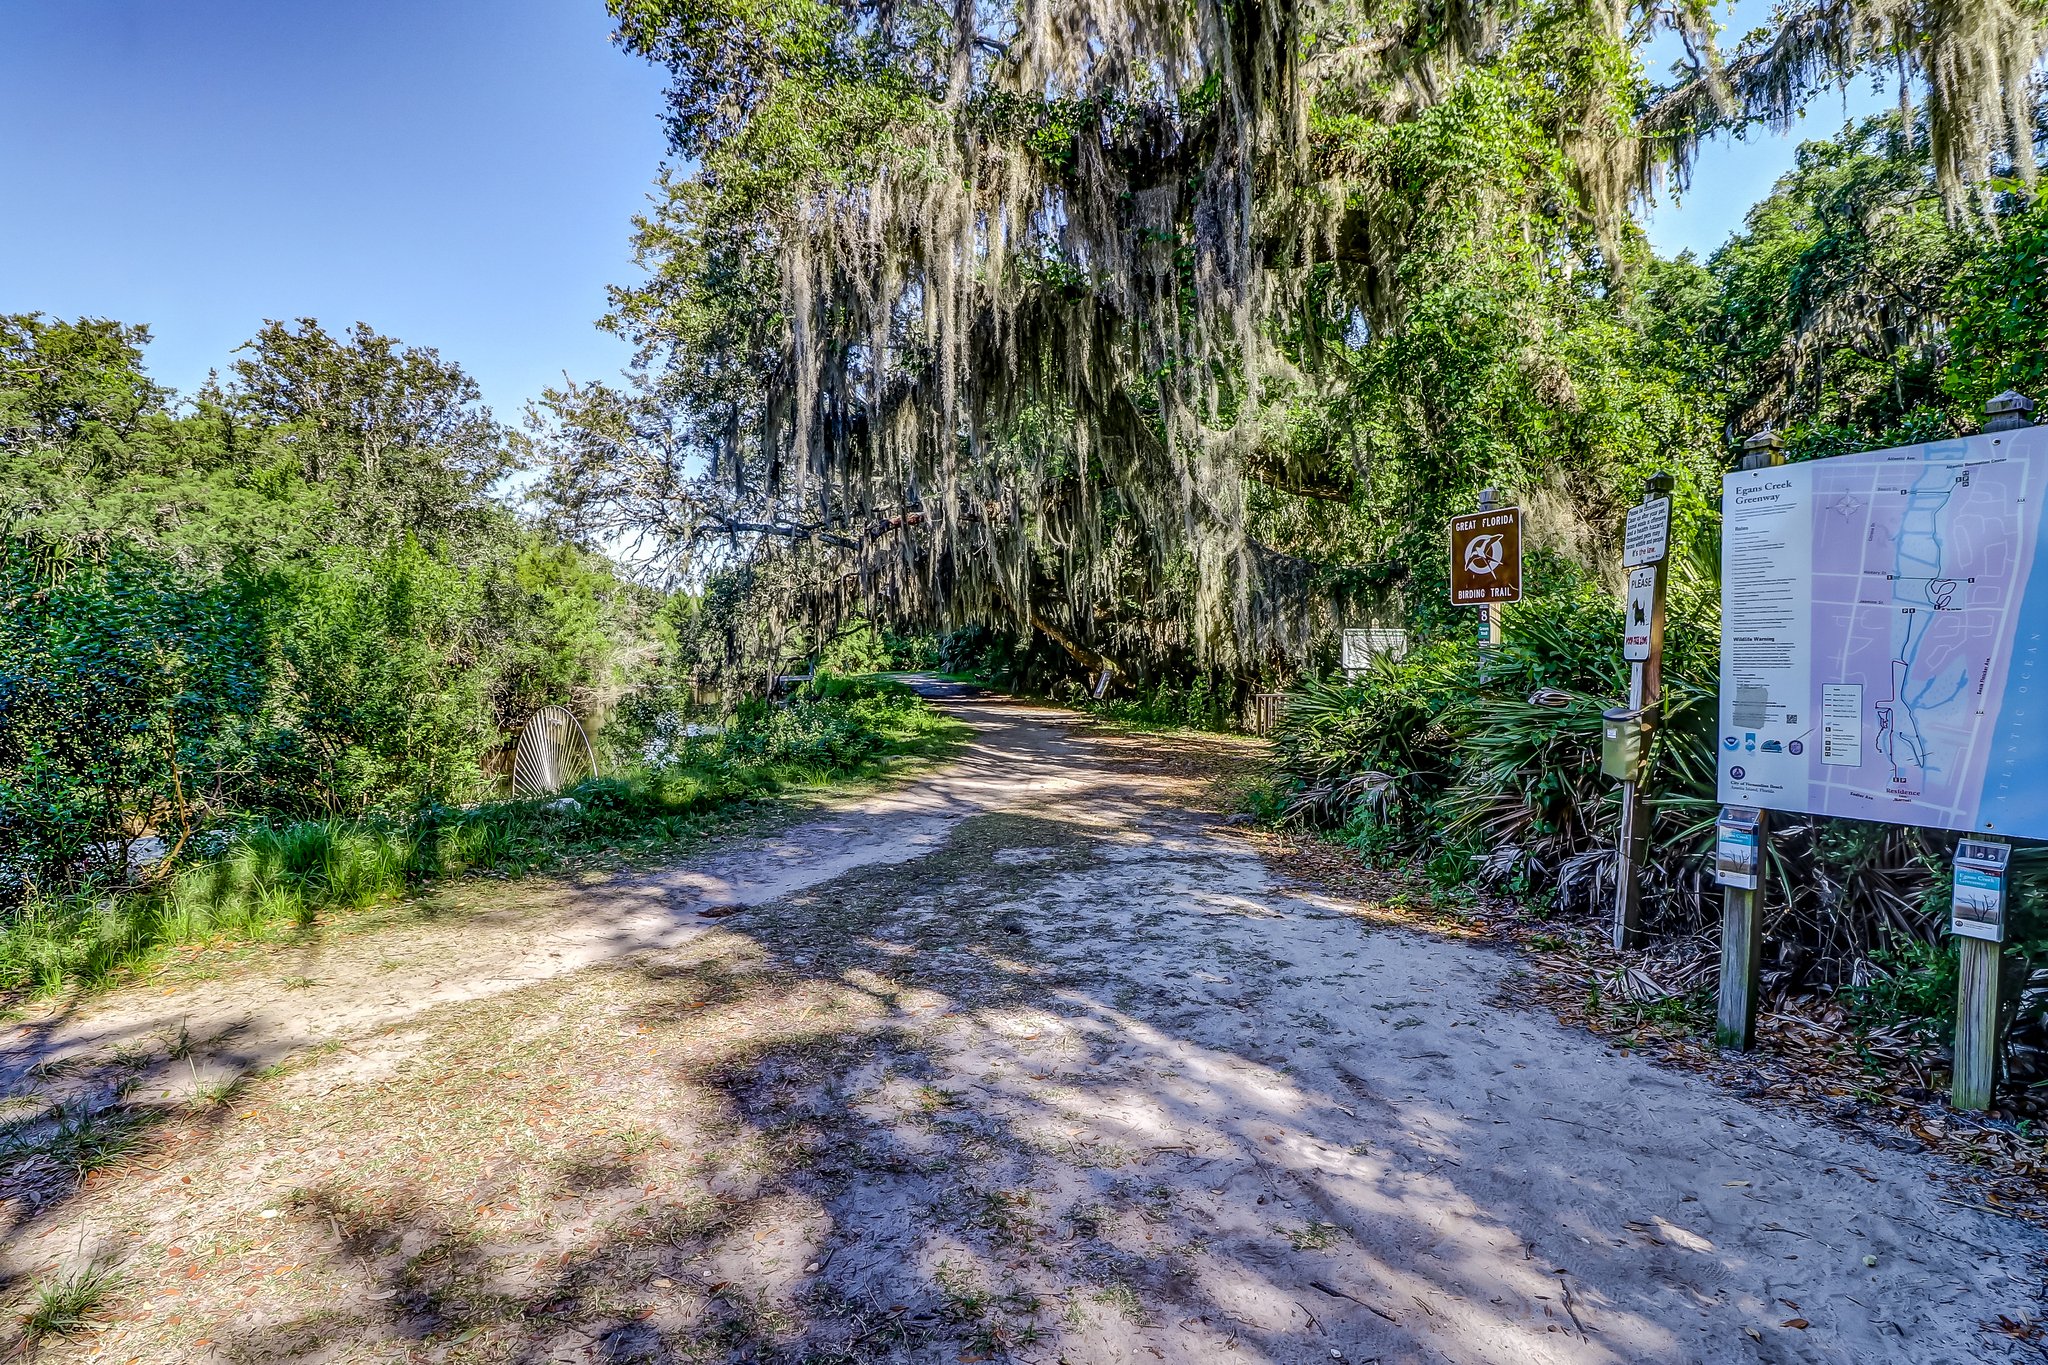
pixel 65 1303
pixel 1444 755
pixel 261 878
pixel 857 648
pixel 1203 704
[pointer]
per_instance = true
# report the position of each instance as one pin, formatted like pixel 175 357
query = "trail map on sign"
pixel 1883 622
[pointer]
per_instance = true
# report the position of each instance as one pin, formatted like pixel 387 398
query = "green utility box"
pixel 1624 743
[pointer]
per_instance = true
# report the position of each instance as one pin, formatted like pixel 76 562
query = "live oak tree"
pixel 1158 329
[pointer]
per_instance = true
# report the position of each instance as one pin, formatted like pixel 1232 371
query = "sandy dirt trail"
pixel 251 1018
pixel 1032 1060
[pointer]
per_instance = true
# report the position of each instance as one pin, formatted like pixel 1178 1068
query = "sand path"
pixel 1119 1095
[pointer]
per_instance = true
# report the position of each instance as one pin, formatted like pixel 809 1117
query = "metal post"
pixel 1742 910
pixel 1645 685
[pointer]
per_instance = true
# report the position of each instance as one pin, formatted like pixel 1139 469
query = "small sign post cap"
pixel 1762 450
pixel 2009 411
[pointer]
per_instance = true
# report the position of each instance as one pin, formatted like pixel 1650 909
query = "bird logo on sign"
pixel 1483 554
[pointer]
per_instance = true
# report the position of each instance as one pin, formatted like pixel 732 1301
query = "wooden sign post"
pixel 1742 898
pixel 1645 546
pixel 1490 622
pixel 1977 919
pixel 1740 837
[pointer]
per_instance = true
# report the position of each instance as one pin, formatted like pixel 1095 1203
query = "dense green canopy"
pixel 291 594
pixel 1171 331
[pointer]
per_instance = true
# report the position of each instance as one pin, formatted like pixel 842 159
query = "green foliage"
pixel 1911 980
pixel 64 1304
pixel 1437 304
pixel 372 704
pixel 292 600
pixel 1516 361
pixel 1206 703
pixel 1854 312
pixel 803 734
pixel 976 651
pixel 77 387
pixel 1190 449
pixel 1445 758
pixel 1998 305
pixel 399 436
pixel 1370 746
pixel 83 1135
pixel 122 689
pixel 1830 301
pixel 917 653
pixel 268 879
pixel 857 647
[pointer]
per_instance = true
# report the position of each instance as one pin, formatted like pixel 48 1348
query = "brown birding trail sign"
pixel 1486 557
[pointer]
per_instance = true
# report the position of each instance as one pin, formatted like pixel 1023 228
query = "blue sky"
pixel 1731 175
pixel 457 173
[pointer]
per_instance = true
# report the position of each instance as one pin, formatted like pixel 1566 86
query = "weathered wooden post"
pixel 1742 892
pixel 1489 619
pixel 1976 1067
pixel 1977 919
pixel 1626 731
pixel 1977 916
pixel 1741 837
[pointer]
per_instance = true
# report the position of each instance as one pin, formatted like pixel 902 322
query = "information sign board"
pixel 1884 635
pixel 1361 643
pixel 1978 908
pixel 1648 537
pixel 1486 557
pixel 1735 847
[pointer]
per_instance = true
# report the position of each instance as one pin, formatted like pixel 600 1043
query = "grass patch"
pixel 65 1304
pixel 1687 1012
pixel 77 1138
pixel 1315 1237
pixel 271 881
pixel 1122 1298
